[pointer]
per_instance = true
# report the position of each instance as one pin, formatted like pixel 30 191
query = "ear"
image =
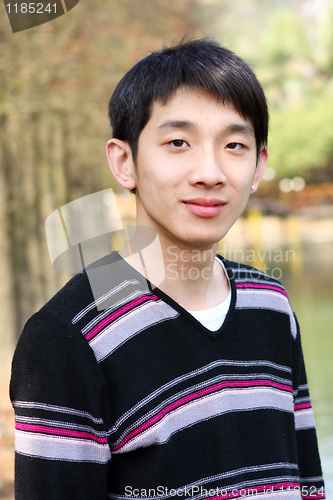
pixel 120 159
pixel 261 167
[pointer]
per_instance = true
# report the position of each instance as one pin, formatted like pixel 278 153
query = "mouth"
pixel 205 207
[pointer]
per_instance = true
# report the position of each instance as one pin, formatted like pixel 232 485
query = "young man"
pixel 195 388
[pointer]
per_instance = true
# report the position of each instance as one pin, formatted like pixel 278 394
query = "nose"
pixel 208 169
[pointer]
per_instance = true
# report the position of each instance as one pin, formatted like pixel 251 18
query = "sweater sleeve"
pixel 311 479
pixel 60 399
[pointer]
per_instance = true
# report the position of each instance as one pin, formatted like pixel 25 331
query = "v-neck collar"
pixel 183 312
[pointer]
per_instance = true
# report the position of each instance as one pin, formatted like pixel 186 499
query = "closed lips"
pixel 205 207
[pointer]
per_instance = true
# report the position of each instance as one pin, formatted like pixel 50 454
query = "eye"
pixel 179 143
pixel 234 146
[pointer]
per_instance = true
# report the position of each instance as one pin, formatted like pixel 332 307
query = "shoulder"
pixel 50 330
pixel 54 319
pixel 88 296
pixel 255 290
pixel 246 276
pixel 84 290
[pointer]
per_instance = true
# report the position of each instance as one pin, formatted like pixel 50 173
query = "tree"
pixel 56 80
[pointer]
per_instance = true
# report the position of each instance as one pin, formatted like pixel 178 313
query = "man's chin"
pixel 201 242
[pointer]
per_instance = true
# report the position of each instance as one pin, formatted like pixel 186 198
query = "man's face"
pixel 196 163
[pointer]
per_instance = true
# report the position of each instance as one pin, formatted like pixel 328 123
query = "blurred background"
pixel 55 83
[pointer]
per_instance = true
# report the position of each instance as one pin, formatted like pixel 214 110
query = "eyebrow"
pixel 231 129
pixel 240 128
pixel 176 124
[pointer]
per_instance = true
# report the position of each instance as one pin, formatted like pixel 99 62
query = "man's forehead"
pixel 194 98
pixel 170 114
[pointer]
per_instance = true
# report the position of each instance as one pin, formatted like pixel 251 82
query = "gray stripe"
pixel 310 479
pixel 303 387
pixel 304 419
pixel 261 282
pixel 101 299
pixel 206 408
pixel 109 310
pixel 129 325
pixel 259 299
pixel 195 388
pixel 302 400
pixel 61 424
pixel 58 409
pixel 56 448
pixel 192 374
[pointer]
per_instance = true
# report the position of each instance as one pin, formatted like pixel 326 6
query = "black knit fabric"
pixel 125 394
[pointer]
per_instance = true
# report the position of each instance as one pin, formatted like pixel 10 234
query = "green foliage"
pixel 301 137
pixel 289 44
pixel 297 70
pixel 284 39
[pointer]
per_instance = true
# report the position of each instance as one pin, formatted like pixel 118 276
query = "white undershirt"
pixel 213 318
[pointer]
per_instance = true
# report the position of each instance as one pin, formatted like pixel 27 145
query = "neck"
pixel 193 277
pixel 189 275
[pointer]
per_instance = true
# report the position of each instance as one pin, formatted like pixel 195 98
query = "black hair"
pixel 201 64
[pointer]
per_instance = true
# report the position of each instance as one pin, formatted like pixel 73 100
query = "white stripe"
pixel 109 310
pixel 229 400
pixel 101 299
pixel 257 281
pixel 302 400
pixel 192 374
pixel 310 479
pixel 304 419
pixel 61 424
pixel 195 388
pixel 266 299
pixel 306 399
pixel 303 387
pixel 129 325
pixel 59 409
pixel 61 448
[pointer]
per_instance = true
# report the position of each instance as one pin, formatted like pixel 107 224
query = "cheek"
pixel 242 174
pixel 161 174
pixel 241 184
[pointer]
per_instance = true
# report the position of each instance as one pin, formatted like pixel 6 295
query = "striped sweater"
pixel 123 394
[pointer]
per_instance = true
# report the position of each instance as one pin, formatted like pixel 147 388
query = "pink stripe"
pixel 270 287
pixel 265 488
pixel 120 311
pixel 319 495
pixel 196 395
pixel 300 406
pixel 59 432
